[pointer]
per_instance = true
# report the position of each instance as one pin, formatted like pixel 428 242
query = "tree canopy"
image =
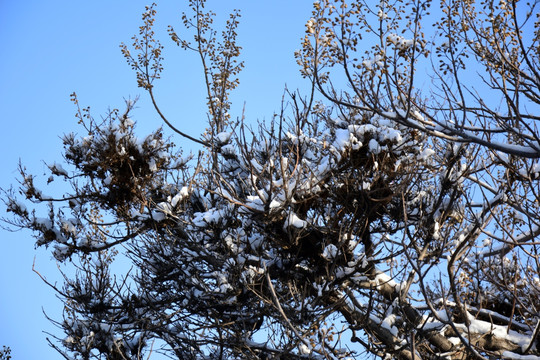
pixel 391 209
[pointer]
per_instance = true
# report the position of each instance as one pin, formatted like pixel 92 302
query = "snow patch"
pixel 330 252
pixel 425 154
pixel 294 221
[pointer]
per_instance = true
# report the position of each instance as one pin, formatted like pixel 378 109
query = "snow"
pixel 499 331
pixel 256 241
pixel 223 138
pixel 255 202
pixel 274 204
pixel 432 325
pixel 294 221
pixel 135 214
pixel 399 41
pixel 382 279
pixel 425 154
pixel 122 151
pixel 520 150
pixel 107 181
pixel 43 223
pixel 389 114
pixel 228 150
pixel 354 135
pixel 202 219
pixel 511 355
pixel 390 134
pixel 162 210
pixel 342 272
pixel 304 349
pixel 61 252
pixel 158 216
pixel 503 157
pixel 182 194
pixel 531 171
pixel 417 115
pixel 152 165
pixel 330 252
pixel 374 146
pixel 18 206
pixel 342 139
pixel 377 60
pixel 388 323
pixel 57 169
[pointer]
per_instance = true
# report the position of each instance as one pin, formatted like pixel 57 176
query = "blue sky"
pixel 53 48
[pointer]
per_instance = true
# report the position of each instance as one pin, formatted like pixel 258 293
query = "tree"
pixel 5 353
pixel 379 215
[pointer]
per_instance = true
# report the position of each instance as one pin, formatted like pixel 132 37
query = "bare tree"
pixel 5 353
pixel 392 211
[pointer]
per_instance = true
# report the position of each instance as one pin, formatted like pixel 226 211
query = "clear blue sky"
pixel 52 48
